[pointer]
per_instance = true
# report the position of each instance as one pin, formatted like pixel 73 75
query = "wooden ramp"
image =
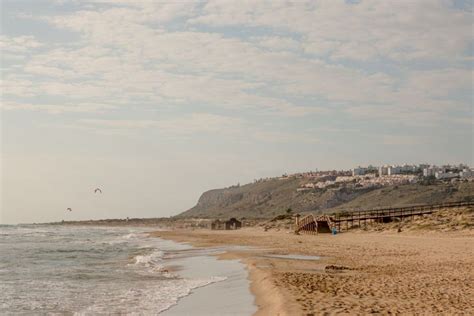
pixel 311 224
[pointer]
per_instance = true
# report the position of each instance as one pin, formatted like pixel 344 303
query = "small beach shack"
pixel 217 224
pixel 230 224
pixel 233 223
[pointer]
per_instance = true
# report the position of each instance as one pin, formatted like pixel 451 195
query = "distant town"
pixel 373 176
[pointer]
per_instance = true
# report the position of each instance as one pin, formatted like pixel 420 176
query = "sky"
pixel 156 102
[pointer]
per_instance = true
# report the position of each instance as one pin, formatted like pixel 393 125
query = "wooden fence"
pixel 345 220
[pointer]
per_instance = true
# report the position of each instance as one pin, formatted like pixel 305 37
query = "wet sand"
pixel 358 273
pixel 230 296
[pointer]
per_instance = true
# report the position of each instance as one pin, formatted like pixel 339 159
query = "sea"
pixel 74 270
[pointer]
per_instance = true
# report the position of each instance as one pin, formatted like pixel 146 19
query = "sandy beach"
pixel 358 273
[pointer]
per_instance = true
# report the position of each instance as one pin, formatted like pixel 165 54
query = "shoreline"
pixel 357 272
pixel 267 297
pixel 229 293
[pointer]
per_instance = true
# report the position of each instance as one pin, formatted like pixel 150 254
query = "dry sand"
pixel 375 273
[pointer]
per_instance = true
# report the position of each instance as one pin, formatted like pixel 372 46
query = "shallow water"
pixel 90 270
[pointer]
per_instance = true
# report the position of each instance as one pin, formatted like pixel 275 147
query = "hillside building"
pixel 392 170
pixel 431 171
pixel 440 175
pixel 467 173
pixel 383 170
pixel 359 171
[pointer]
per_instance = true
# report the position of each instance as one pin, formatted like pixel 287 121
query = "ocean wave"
pixel 73 270
pixel 131 236
pixel 182 288
pixel 147 260
pixel 149 300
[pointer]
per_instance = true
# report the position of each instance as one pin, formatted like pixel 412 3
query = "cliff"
pixel 270 198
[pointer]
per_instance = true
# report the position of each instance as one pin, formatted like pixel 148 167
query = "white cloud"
pixel 401 140
pixel 277 43
pixel 127 55
pixel 187 125
pixel 400 30
pixel 212 125
pixel 18 44
pixel 58 108
pixel 18 86
pixel 440 83
pixel 118 123
pixel 286 137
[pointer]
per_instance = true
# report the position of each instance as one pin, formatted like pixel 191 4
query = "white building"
pixel 394 170
pixel 408 168
pixel 445 175
pixel 383 170
pixel 359 171
pixel 467 173
pixel 431 171
pixel 371 169
pixel 463 167
pixel 423 166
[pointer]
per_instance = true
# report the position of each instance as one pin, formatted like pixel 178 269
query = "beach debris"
pixel 69 209
pixel 97 190
pixel 336 268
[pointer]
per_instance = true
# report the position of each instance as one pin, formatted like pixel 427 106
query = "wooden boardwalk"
pixel 311 224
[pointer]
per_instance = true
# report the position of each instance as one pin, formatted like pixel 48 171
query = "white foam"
pixel 143 287
pixel 149 300
pixel 131 236
pixel 150 259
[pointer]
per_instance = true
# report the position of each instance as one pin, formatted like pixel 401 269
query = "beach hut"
pixel 233 223
pixel 217 224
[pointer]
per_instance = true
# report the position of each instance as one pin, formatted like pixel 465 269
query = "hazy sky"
pixel 156 102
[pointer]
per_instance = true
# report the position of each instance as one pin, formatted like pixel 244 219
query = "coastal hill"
pixel 272 197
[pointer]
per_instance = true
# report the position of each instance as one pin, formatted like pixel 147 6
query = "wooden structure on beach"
pixel 231 224
pixel 312 224
pixel 217 224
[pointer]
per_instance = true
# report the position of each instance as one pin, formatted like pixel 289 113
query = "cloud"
pixel 58 108
pixel 18 44
pixel 211 125
pixel 401 140
pixel 286 137
pixel 118 124
pixel 277 43
pixel 164 55
pixel 404 30
pixel 187 125
pixel 399 116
